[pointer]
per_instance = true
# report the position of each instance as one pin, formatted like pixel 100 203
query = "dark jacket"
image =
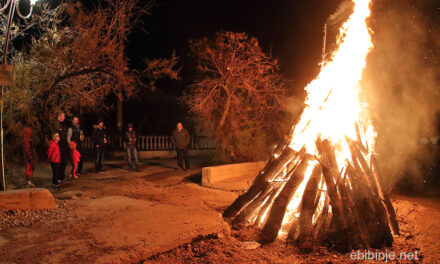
pixel 74 134
pixel 180 139
pixel 61 128
pixel 130 138
pixel 98 136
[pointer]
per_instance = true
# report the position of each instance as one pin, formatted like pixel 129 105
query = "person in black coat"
pixel 61 129
pixel 181 138
pixel 99 139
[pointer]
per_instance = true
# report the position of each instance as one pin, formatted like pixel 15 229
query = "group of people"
pixel 66 143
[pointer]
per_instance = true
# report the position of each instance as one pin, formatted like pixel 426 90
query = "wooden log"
pixel 330 172
pixel 278 210
pixel 320 224
pixel 353 226
pixel 245 214
pixel 272 170
pixel 361 146
pixel 293 233
pixel 364 207
pixel 264 209
pixel 386 197
pixel 307 210
pixel 359 225
pixel 380 208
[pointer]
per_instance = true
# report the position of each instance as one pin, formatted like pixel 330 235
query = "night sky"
pixel 291 31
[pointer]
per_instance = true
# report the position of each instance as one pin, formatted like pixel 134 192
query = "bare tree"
pixel 76 61
pixel 239 95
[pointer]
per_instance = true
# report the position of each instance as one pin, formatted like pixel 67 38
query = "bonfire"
pixel 322 184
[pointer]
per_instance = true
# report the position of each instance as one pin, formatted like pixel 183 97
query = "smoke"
pixel 401 84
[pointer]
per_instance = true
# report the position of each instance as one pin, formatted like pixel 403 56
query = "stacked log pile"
pixel 346 208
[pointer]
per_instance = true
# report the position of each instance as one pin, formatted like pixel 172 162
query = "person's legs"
pixel 135 157
pixel 186 157
pixel 55 172
pixel 74 169
pixel 129 157
pixel 80 163
pixel 101 159
pixel 29 171
pixel 179 158
pixel 97 159
pixel 64 153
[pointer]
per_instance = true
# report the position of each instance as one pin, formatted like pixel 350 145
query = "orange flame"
pixel 333 107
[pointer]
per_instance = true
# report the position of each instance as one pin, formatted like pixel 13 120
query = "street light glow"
pixel 33 2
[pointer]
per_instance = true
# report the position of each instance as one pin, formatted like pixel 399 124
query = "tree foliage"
pixel 239 95
pixel 75 61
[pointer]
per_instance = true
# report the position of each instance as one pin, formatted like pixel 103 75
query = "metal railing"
pixel 151 143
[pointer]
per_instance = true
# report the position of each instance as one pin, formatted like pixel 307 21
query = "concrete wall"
pixel 216 176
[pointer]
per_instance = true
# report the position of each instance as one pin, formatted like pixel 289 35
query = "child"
pixel 53 153
pixel 76 156
pixel 29 157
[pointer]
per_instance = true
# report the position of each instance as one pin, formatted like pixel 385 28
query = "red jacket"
pixel 75 153
pixel 53 153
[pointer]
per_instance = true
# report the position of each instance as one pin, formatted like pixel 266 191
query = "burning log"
pixel 268 174
pixel 386 197
pixel 330 172
pixel 276 214
pixel 308 208
pixel 383 224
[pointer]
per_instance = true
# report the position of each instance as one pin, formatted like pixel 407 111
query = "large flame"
pixel 332 104
pixel 333 108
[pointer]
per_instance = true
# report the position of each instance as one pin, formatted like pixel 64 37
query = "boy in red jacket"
pixel 53 153
pixel 76 156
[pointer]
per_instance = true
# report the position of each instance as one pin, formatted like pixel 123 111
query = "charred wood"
pixel 307 211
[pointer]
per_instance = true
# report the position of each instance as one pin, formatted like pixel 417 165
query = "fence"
pixel 151 143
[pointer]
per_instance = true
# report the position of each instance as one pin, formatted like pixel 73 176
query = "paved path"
pixel 118 216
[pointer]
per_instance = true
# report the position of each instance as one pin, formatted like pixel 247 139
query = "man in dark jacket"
pixel 76 134
pixel 130 145
pixel 99 139
pixel 181 140
pixel 60 128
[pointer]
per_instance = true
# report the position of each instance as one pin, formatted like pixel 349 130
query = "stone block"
pixel 218 175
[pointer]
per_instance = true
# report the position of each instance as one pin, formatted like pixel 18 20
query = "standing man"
pixel 181 139
pixel 61 129
pixel 99 139
pixel 76 134
pixel 130 144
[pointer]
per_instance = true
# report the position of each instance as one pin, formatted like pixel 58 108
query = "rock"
pixel 250 245
pixel 27 199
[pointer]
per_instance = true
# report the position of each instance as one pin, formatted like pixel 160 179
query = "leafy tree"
pixel 75 62
pixel 239 95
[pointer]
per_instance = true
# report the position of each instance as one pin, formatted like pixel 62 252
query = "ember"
pixel 323 183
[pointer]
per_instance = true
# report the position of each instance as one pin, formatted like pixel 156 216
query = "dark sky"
pixel 291 30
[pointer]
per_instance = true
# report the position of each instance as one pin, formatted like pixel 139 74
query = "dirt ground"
pixel 95 210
